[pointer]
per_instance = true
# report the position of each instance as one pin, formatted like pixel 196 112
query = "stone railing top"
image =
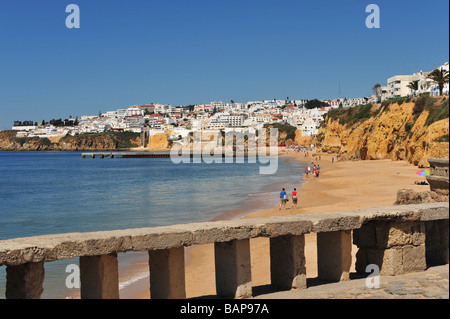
pixel 438 168
pixel 66 246
pixel 438 161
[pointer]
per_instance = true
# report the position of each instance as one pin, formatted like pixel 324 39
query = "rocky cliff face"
pixel 301 140
pixel 86 142
pixel 158 141
pixel 409 130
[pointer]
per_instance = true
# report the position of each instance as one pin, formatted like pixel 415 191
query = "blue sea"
pixel 57 192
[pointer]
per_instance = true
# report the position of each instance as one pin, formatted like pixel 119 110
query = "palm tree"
pixel 440 77
pixel 414 86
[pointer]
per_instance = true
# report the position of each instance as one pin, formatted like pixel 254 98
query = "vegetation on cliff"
pixel 350 116
pixel 286 132
pixel 411 129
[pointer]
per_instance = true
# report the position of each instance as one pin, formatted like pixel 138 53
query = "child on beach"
pixel 283 199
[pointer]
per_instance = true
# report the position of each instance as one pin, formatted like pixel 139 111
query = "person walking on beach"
pixel 283 199
pixel 294 198
pixel 306 172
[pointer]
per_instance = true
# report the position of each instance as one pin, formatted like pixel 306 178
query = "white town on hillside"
pixel 179 121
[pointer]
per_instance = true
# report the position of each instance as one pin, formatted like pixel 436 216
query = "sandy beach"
pixel 342 186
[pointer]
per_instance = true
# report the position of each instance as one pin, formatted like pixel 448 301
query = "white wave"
pixel 132 280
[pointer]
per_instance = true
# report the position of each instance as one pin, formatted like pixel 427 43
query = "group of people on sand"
pixel 284 199
pixel 315 170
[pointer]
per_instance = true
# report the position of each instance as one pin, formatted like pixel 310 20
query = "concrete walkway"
pixel 430 284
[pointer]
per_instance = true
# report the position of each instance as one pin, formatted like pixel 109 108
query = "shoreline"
pixel 340 187
pixel 140 288
pixel 133 270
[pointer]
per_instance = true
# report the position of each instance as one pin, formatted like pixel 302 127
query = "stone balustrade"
pixel 399 239
pixel 439 176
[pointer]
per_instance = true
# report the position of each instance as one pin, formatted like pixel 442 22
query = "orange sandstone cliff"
pixel 408 129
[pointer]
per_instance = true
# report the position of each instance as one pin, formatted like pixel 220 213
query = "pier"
pixel 140 154
pixel 164 154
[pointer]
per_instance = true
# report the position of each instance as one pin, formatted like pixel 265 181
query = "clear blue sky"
pixel 196 51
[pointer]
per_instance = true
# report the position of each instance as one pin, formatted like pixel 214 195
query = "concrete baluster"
pixel 233 269
pixel 334 255
pixel 99 277
pixel 25 281
pixel 167 274
pixel 287 262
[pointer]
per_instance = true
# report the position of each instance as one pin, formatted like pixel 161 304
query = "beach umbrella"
pixel 423 172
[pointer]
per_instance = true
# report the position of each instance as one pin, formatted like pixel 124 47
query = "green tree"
pixel 312 104
pixel 440 77
pixel 414 86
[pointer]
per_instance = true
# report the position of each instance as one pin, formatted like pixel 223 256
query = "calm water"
pixel 48 193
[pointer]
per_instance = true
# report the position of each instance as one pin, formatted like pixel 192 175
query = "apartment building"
pixel 397 86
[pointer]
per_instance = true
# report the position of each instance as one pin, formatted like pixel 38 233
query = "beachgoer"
pixel 283 199
pixel 306 172
pixel 294 199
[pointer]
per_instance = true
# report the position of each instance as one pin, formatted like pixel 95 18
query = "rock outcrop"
pixel 439 186
pixel 301 140
pixel 397 131
pixel 84 142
